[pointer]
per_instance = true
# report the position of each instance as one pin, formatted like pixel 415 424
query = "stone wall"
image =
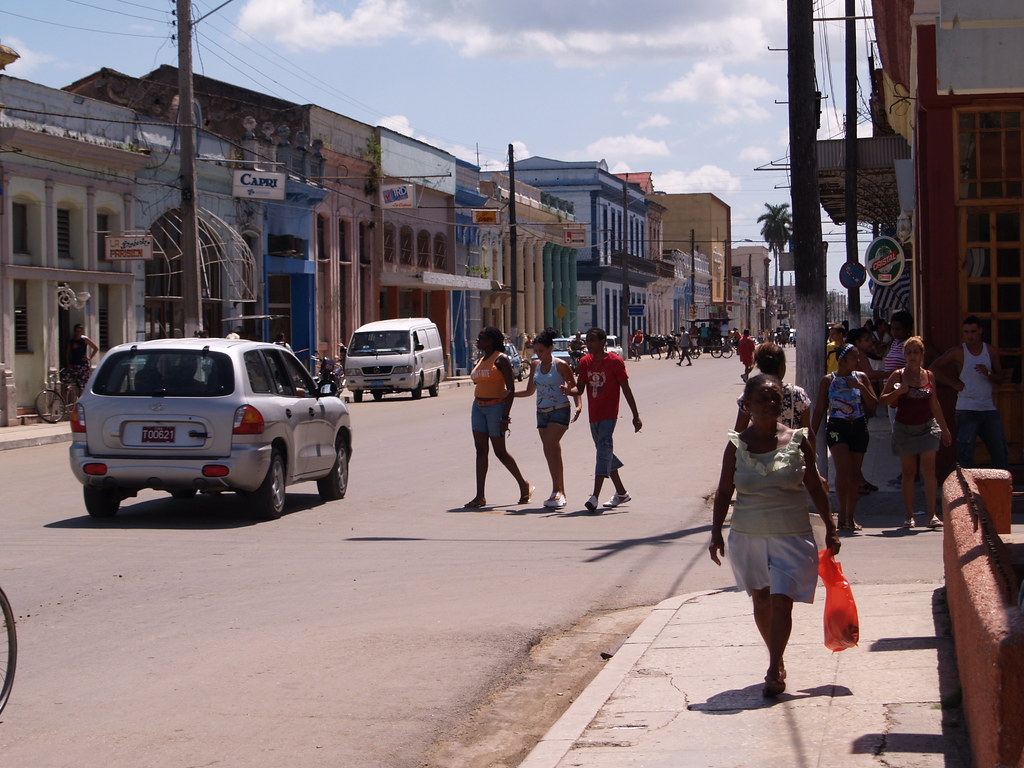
pixel 988 626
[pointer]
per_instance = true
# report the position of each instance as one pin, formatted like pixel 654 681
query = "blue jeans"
pixel 986 425
pixel 607 461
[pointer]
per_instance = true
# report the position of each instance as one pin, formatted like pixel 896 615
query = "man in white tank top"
pixel 978 370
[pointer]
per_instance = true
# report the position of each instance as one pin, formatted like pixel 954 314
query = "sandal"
pixel 528 496
pixel 773 688
pixel 935 523
pixel 475 504
pixel 908 524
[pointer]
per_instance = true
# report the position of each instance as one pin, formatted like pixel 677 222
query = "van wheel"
pixel 357 395
pixel 432 389
pixel 377 396
pixel 101 502
pixel 417 392
pixel 268 499
pixel 335 484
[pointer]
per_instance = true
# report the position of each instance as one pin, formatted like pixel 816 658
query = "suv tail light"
pixel 248 421
pixel 78 418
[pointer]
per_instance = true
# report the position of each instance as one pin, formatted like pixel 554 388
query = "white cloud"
pixel 398 124
pixel 303 24
pixel 735 97
pixel 707 178
pixel 654 121
pixel 30 60
pixel 589 33
pixel 755 155
pixel 618 148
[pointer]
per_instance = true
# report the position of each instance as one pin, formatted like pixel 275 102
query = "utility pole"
pixel 852 161
pixel 807 248
pixel 191 289
pixel 513 244
pixel 624 310
pixel 693 272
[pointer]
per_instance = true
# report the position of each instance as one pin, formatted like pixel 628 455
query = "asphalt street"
pixel 359 632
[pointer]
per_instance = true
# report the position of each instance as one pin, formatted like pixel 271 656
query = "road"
pixel 359 633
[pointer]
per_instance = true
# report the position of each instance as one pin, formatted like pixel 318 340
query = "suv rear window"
pixel 165 372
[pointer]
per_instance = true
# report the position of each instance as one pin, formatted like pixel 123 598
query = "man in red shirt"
pixel 603 375
pixel 745 346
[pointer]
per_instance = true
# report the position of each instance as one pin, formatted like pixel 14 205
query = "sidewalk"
pixel 684 689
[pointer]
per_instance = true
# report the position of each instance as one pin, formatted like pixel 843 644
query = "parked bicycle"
pixel 8 650
pixel 55 402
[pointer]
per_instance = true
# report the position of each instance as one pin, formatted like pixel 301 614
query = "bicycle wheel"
pixel 50 406
pixel 8 650
pixel 716 352
pixel 727 352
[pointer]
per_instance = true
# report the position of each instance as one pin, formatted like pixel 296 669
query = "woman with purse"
pixel 772 550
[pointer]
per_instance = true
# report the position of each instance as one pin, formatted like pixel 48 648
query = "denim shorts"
pixel 607 461
pixel 557 415
pixel 487 418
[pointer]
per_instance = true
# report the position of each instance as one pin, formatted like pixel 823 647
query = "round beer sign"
pixel 885 260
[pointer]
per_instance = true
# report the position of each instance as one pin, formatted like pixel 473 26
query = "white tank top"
pixel 977 392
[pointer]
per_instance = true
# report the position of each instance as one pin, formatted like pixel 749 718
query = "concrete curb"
pixel 560 738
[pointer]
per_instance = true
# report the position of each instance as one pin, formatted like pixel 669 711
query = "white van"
pixel 402 355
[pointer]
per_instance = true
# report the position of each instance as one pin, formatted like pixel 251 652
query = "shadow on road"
pixel 204 512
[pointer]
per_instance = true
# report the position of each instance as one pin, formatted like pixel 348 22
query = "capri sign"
pixel 258 185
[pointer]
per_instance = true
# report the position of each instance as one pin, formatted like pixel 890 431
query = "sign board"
pixel 786 262
pixel 574 237
pixel 637 310
pixel 128 247
pixel 885 260
pixel 258 185
pixel 693 311
pixel 852 275
pixel 485 216
pixel 587 300
pixel 397 196
pixel 561 312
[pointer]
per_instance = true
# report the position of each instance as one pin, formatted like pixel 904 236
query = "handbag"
pixel 842 627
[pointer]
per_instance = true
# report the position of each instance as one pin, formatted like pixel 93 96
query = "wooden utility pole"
pixel 852 162
pixel 513 330
pixel 191 272
pixel 808 254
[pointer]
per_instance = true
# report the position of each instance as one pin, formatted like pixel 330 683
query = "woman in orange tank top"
pixel 492 401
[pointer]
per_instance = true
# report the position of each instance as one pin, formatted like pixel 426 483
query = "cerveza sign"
pixel 258 185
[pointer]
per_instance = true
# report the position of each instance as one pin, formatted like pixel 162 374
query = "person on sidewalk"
pixel 80 352
pixel 836 341
pixel 745 347
pixel 846 395
pixel 770 358
pixel 977 368
pixel 547 375
pixel 918 428
pixel 495 391
pixel 603 375
pixel 771 544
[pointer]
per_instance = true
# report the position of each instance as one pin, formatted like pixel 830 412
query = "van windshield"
pixel 379 343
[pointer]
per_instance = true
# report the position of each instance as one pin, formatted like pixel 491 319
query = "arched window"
pixel 389 243
pixel 405 245
pixel 440 252
pixel 423 248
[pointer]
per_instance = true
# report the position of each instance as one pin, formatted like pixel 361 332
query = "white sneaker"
pixel 591 503
pixel 557 501
pixel 614 501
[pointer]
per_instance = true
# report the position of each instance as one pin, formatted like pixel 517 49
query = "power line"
pixel 83 29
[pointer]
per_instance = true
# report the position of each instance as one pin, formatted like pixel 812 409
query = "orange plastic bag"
pixel 842 627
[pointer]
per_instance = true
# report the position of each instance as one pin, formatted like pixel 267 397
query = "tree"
pixel 776 229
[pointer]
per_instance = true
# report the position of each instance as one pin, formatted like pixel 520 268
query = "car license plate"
pixel 378 383
pixel 158 434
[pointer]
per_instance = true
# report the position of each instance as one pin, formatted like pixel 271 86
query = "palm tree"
pixel 776 229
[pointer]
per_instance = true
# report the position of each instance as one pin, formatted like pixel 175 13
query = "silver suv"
pixel 206 415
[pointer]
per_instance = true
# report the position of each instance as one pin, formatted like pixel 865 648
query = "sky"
pixel 693 91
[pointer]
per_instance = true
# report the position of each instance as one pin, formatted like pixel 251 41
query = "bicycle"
pixel 8 650
pixel 722 350
pixel 57 399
